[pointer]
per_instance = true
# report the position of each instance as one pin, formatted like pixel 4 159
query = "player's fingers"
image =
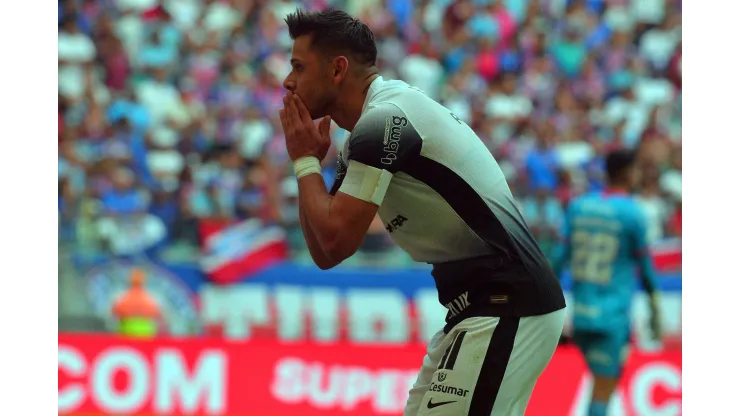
pixel 288 124
pixel 302 110
pixel 282 118
pixel 325 126
pixel 294 116
pixel 285 119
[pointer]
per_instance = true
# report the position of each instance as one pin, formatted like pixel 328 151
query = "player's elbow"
pixel 339 250
pixel 341 238
pixel 341 246
pixel 322 261
pixel 325 264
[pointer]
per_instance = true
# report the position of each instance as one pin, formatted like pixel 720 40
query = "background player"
pixel 605 240
pixel 430 177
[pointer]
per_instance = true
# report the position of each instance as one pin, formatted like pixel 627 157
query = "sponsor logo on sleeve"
pixel 393 128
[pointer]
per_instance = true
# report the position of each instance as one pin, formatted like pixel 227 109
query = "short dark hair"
pixel 335 31
pixel 617 162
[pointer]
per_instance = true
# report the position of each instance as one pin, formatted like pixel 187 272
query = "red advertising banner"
pixel 109 375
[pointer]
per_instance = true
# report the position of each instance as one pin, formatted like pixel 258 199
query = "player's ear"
pixel 339 68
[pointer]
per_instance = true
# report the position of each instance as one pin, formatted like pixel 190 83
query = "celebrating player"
pixel 445 201
pixel 605 240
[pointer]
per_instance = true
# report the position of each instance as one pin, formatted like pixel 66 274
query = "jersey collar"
pixel 374 86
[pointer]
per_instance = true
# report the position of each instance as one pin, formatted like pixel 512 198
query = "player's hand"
pixel 656 327
pixel 302 136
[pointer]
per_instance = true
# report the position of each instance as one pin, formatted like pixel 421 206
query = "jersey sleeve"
pixel 384 139
pixel 381 144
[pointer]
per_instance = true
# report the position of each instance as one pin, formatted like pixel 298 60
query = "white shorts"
pixel 485 366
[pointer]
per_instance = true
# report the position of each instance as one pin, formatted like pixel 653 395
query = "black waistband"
pixel 495 286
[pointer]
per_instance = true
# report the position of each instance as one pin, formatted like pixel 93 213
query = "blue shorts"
pixel 605 351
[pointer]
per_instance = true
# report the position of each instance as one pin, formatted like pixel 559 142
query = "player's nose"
pixel 289 84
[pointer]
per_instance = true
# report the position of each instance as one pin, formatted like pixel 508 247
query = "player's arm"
pixel 317 253
pixel 641 253
pixel 337 224
pixel 314 248
pixel 379 145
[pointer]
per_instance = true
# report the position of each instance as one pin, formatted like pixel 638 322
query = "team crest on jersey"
pixel 441 377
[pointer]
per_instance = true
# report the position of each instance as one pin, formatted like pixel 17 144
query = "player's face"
pixel 311 78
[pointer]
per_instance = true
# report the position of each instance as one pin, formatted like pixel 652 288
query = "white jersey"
pixel 449 204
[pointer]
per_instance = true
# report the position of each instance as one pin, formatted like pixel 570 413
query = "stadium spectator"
pixel 541 162
pixel 126 227
pixel 423 69
pixel 654 205
pixel 544 215
pixel 75 50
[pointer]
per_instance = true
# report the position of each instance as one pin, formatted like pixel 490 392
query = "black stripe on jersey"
pixel 463 199
pixel 455 351
pixel 447 354
pixel 517 267
pixel 494 367
pixel 444 362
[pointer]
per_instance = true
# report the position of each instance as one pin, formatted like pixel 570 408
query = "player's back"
pixel 602 239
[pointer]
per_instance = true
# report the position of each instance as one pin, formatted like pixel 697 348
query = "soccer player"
pixel 605 243
pixel 443 199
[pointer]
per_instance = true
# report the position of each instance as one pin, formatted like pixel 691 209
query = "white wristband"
pixel 306 165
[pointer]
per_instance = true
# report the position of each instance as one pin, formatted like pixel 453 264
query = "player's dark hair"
pixel 617 163
pixel 335 32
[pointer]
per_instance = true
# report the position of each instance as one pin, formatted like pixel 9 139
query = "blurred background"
pixel 178 219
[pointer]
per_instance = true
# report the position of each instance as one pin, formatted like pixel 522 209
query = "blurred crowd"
pixel 168 110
